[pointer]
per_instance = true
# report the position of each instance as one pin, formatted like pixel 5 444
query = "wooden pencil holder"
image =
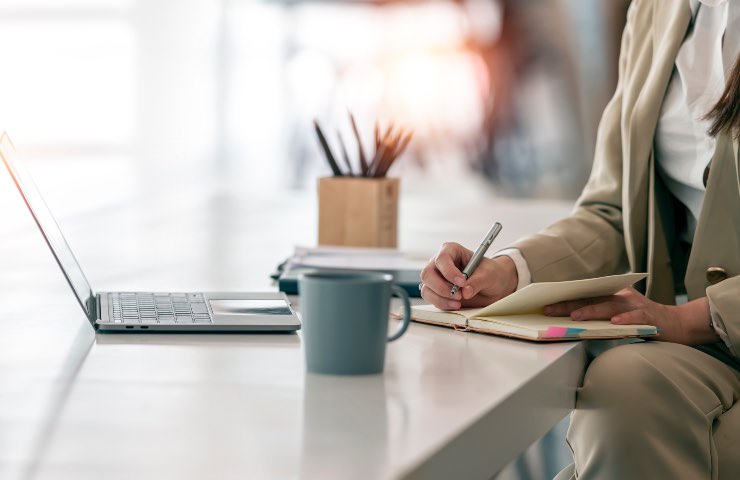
pixel 358 212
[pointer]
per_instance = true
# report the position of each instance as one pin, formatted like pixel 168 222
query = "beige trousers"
pixel 656 410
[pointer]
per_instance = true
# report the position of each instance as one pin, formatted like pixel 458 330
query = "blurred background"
pixel 507 91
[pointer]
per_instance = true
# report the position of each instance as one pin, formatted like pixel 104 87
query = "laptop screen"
pixel 49 228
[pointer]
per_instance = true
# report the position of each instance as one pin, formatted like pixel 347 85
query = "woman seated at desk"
pixel 663 197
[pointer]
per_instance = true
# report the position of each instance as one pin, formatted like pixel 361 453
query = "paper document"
pixel 357 258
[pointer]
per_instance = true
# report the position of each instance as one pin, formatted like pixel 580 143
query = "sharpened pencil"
pixel 327 151
pixel 377 137
pixel 345 155
pixel 363 158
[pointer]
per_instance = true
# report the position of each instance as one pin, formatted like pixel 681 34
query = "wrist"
pixel 695 321
pixel 510 276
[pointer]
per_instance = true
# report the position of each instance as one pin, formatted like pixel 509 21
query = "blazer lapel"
pixel 717 238
pixel 670 23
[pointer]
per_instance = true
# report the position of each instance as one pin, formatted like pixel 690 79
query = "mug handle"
pixel 401 293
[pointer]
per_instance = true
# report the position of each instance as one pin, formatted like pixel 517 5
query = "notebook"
pixel 404 267
pixel 520 314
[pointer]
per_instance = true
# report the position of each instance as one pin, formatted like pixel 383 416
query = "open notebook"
pixel 520 314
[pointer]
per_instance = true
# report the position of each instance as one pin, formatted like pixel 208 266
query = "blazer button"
pixel 716 275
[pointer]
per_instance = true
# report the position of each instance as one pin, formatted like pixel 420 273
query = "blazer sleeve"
pixel 590 242
pixel 724 302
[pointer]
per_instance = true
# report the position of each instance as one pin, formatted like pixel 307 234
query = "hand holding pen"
pixel 478 255
pixel 492 280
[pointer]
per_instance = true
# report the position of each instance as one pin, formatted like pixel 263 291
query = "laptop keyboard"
pixel 158 308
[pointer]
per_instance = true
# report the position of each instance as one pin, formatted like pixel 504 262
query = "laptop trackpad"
pixel 250 307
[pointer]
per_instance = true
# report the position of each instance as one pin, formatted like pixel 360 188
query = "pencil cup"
pixel 358 212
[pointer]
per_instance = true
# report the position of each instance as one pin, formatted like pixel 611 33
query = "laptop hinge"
pixel 94 309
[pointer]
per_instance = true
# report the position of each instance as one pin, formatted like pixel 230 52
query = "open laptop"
pixel 149 311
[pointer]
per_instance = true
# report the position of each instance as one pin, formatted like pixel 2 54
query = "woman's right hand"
pixel 491 281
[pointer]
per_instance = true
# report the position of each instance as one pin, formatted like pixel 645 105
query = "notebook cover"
pixel 406 279
pixel 519 337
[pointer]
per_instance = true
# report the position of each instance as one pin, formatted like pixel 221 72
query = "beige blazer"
pixel 624 219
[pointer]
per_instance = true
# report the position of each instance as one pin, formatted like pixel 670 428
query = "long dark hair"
pixel 725 115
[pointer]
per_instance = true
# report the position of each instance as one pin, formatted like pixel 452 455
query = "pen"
pixel 479 252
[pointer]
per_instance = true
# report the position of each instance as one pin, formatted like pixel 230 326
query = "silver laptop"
pixel 150 311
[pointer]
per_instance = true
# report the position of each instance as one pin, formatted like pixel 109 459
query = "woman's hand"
pixel 492 280
pixel 688 324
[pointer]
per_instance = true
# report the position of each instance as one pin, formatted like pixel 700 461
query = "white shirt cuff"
pixel 522 269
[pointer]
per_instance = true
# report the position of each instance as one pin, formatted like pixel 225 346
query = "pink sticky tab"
pixel 558 332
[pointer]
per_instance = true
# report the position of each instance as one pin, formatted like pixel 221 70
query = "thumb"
pixel 490 280
pixel 472 286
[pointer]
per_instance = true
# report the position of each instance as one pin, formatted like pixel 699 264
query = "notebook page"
pixel 533 297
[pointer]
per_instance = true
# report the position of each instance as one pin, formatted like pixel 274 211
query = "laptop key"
pixel 184 319
pixel 200 308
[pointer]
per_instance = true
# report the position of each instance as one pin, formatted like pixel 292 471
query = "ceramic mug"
pixel 345 320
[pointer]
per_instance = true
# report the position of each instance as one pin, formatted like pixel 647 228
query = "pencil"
pixel 327 151
pixel 385 157
pixel 404 143
pixel 345 155
pixel 391 154
pixel 377 137
pixel 363 159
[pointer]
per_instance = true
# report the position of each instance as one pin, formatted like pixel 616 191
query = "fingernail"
pixel 459 281
pixel 616 320
pixel 576 315
pixel 454 305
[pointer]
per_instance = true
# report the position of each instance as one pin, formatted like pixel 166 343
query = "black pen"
pixel 327 151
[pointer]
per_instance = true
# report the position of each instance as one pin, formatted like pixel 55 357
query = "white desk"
pixel 83 406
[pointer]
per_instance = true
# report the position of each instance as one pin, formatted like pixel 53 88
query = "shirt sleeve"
pixel 522 269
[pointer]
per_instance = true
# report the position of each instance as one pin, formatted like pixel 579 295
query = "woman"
pixel 663 197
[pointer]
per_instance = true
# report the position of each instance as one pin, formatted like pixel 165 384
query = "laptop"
pixel 142 312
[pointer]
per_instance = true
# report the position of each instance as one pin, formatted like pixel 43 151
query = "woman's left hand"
pixel 687 324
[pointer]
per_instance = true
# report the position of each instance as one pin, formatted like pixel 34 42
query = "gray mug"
pixel 345 320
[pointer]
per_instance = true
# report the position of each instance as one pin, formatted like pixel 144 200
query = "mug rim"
pixel 346 276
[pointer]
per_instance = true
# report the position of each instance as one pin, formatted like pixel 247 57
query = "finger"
pixel 484 276
pixel 564 309
pixel 601 311
pixel 449 257
pixel 634 317
pixel 437 300
pixel 432 278
pixel 628 292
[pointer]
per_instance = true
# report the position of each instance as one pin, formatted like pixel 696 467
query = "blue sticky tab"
pixel 574 332
pixel 646 331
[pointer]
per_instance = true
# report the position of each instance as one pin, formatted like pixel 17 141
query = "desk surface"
pixel 78 405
